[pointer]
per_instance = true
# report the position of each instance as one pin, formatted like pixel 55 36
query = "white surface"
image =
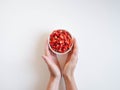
pixel 25 25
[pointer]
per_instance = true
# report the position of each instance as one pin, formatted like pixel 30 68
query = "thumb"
pixel 45 58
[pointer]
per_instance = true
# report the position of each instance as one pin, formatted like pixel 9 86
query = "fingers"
pixel 48 62
pixel 73 55
pixel 52 66
pixel 75 48
pixel 47 50
pixel 45 59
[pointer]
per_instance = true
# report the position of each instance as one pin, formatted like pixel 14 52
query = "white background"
pixel 24 28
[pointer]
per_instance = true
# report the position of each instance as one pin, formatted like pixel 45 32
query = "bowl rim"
pixel 58 53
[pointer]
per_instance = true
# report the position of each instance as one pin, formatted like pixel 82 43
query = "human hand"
pixel 69 67
pixel 52 62
pixel 54 69
pixel 71 60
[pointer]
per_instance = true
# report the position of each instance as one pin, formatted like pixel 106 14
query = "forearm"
pixel 53 83
pixel 70 82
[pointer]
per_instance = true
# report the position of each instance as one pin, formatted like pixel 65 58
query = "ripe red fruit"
pixel 60 40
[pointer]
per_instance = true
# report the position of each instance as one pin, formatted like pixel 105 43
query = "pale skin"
pixel 55 71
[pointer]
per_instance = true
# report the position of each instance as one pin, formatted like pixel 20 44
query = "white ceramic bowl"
pixel 58 53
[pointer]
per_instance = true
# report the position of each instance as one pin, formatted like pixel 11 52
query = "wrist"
pixel 53 83
pixel 55 75
pixel 70 82
pixel 68 77
pixel 68 74
pixel 55 78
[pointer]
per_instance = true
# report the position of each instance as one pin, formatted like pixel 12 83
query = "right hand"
pixel 71 60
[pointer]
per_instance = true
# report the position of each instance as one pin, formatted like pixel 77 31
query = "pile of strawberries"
pixel 60 40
